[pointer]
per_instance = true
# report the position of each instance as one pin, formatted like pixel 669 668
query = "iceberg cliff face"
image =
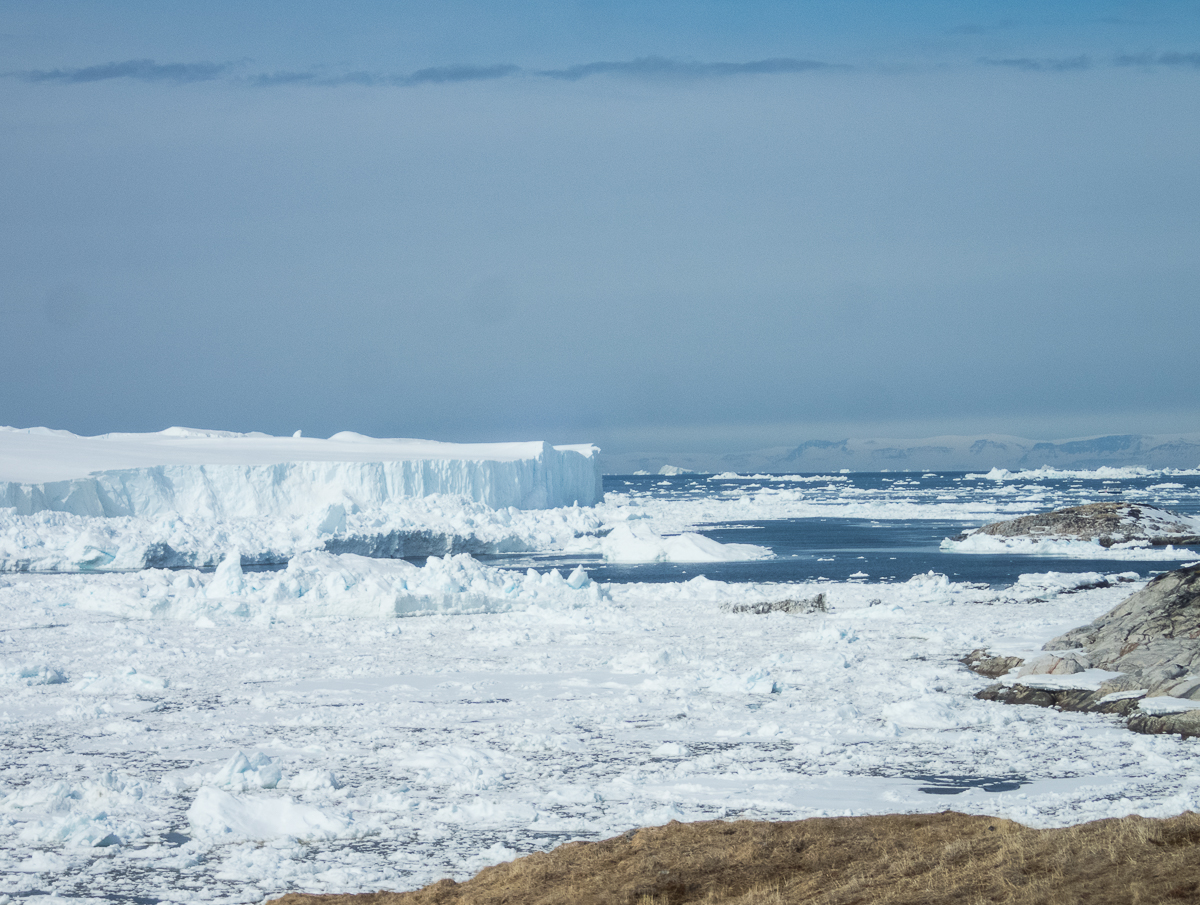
pixel 183 498
pixel 355 473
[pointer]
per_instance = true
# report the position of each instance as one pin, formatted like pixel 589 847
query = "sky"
pixel 710 225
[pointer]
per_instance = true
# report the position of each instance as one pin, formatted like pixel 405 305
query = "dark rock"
pixel 1186 724
pixel 791 606
pixel 1076 700
pixel 1017 694
pixel 982 662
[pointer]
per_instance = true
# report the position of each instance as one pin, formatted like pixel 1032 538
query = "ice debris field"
pixel 348 720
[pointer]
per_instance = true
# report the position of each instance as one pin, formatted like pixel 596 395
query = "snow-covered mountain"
pixel 949 453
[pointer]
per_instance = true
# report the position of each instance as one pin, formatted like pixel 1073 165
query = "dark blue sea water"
pixel 882 549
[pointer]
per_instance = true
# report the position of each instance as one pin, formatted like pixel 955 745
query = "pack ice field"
pixel 237 665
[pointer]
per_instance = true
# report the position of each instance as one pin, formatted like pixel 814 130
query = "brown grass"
pixel 891 860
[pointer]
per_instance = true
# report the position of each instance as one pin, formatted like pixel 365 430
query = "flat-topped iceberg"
pixel 219 474
pixel 181 497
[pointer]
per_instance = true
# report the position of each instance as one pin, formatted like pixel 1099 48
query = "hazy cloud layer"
pixel 645 68
pixel 434 75
pixel 138 70
pixel 1161 59
pixel 660 67
pixel 1029 64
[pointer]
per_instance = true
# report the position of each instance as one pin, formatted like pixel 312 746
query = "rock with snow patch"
pixel 1106 523
pixel 1150 642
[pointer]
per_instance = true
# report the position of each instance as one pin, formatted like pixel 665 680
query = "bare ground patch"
pixel 892 859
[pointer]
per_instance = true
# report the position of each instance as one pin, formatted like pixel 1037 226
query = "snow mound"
pixel 242 774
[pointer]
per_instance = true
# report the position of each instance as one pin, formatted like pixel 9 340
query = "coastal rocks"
pixel 1140 660
pixel 1106 523
pixel 1165 612
pixel 1152 639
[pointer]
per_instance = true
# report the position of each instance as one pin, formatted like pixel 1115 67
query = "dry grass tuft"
pixel 896 859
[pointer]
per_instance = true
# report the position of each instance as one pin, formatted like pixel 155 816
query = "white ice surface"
pixel 218 474
pixel 38 454
pixel 1087 680
pixel 1164 704
pixel 324 585
pixel 60 541
pixel 1065 548
pixel 1112 472
pixel 224 737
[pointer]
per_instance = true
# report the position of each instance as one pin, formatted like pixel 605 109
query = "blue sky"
pixel 651 225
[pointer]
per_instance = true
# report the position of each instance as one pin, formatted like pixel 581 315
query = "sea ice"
pixel 215 813
pixel 401 751
pixel 1065 548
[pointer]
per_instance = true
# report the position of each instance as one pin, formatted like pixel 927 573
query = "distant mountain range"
pixel 976 454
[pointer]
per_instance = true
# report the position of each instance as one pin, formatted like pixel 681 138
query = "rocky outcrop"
pixel 792 606
pixel 1151 641
pixel 984 663
pixel 1106 523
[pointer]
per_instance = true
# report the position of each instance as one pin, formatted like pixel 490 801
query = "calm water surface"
pixel 875 550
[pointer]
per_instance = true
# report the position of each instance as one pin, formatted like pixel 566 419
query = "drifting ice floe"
pixel 634 542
